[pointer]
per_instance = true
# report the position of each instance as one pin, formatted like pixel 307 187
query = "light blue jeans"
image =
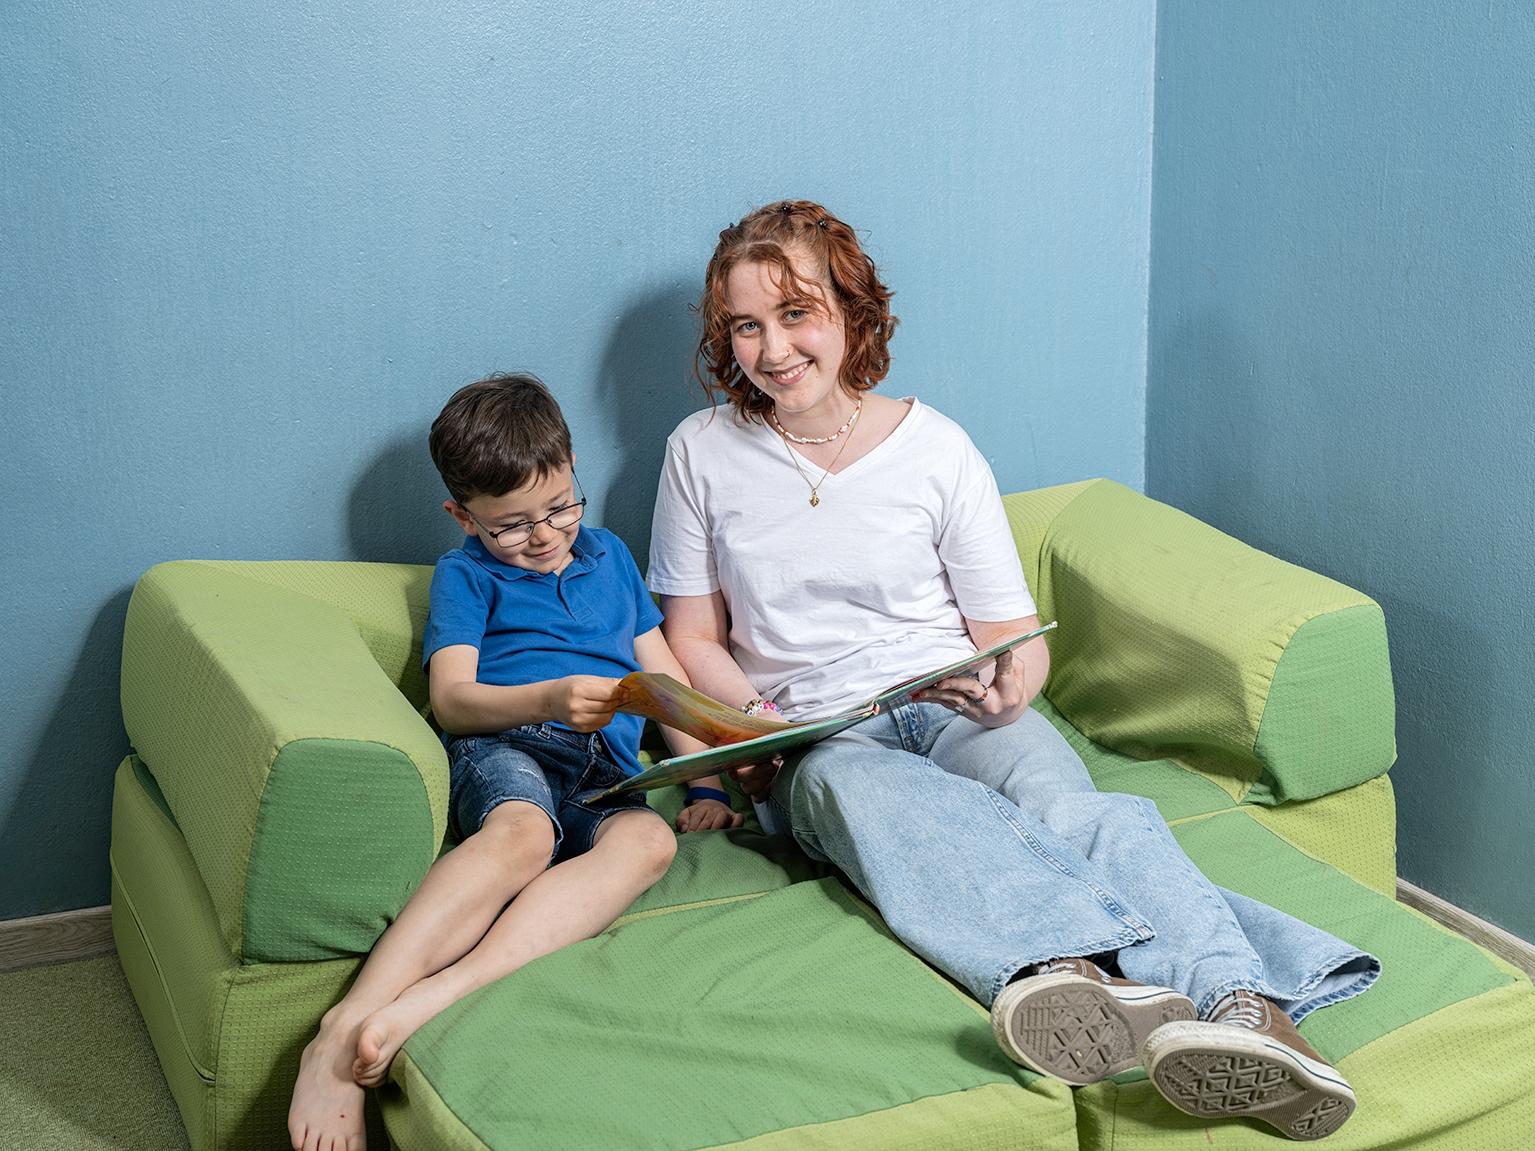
pixel 989 849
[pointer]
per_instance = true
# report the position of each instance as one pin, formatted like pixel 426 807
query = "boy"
pixel 532 622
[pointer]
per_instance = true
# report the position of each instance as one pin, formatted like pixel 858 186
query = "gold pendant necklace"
pixel 815 497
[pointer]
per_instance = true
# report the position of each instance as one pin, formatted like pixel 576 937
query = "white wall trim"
pixel 1503 944
pixel 55 938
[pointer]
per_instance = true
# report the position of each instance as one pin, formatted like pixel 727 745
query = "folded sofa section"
pixel 311 794
pixel 1178 641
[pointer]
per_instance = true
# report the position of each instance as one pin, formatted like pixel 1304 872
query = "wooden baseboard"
pixel 1503 944
pixel 55 938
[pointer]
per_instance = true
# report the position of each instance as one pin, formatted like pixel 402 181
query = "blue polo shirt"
pixel 531 626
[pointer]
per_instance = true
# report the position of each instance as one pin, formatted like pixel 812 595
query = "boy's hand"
pixel 707 815
pixel 583 702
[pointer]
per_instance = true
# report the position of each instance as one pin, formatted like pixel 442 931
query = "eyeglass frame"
pixel 531 526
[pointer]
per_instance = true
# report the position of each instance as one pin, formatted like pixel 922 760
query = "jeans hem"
pixel 1009 971
pixel 1304 1007
pixel 1300 1006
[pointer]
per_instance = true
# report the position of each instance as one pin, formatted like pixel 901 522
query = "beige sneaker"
pixel 1072 1020
pixel 1249 1061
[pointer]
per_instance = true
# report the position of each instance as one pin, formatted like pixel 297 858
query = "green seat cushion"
pixel 1178 792
pixel 793 1017
pixel 228 1034
pixel 1437 992
pixel 717 866
pixel 1353 830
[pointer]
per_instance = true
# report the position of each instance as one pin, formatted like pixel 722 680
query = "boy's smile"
pixel 550 496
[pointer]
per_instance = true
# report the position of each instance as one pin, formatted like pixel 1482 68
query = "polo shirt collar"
pixel 584 554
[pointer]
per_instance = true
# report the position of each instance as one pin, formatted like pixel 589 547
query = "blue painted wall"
pixel 245 254
pixel 1342 329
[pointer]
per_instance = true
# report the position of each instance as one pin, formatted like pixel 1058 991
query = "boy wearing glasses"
pixel 532 622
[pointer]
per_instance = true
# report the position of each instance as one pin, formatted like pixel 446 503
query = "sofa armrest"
pixel 1178 641
pixel 311 795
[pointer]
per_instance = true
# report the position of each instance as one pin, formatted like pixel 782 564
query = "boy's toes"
pixel 376 1046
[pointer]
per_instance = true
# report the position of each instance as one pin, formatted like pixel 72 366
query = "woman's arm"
pixel 1019 675
pixel 695 628
pixel 655 655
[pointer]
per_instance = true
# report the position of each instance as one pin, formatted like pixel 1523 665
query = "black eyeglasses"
pixel 515 535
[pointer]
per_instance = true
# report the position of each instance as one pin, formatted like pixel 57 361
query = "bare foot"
pixel 326 1112
pixel 385 1031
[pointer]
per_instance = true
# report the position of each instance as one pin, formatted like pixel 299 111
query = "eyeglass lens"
pixel 522 533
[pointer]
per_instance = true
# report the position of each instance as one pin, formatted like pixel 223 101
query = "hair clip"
pixel 785 208
pixel 821 223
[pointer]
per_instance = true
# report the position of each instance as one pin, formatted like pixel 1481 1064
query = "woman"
pixel 816 542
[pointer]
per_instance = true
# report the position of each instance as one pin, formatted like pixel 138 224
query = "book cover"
pixel 737 740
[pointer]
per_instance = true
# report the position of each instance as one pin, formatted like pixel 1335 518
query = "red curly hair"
pixel 772 235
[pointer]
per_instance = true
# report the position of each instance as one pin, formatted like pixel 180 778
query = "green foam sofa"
pixel 285 795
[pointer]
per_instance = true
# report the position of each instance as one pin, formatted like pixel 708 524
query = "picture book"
pixel 737 740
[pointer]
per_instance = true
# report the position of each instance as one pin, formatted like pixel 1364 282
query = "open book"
pixel 737 740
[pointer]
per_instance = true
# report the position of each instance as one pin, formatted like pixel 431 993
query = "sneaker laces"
pixel 1071 967
pixel 1240 1009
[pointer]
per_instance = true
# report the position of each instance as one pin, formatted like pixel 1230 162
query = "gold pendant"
pixel 814 499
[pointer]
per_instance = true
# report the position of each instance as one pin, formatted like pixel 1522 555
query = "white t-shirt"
pixel 830 604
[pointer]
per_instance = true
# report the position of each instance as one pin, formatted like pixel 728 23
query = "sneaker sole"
pixel 1208 1069
pixel 1080 1031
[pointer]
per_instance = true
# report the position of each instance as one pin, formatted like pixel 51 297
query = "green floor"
pixel 77 1072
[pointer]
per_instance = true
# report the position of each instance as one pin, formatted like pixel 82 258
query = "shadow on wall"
pixel 1203 389
pixel 645 387
pixel 394 513
pixel 61 812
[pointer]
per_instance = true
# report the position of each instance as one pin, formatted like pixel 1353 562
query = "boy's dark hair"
pixel 497 435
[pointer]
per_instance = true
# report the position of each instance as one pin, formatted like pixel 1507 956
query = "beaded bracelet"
pixel 697 793
pixel 760 705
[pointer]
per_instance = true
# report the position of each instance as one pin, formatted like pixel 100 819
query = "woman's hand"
pixel 707 815
pixel 756 779
pixel 995 704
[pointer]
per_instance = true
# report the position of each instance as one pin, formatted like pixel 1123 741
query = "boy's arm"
pixel 464 706
pixel 705 813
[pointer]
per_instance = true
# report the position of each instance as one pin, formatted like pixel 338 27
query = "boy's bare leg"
pixel 459 898
pixel 573 900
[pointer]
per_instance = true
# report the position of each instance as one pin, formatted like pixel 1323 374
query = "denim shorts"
pixel 558 770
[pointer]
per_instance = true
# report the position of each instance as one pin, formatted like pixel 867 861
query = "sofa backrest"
pixel 266 700
pixel 1178 641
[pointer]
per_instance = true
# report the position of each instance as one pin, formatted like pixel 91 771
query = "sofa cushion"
pixel 228 1034
pixel 1353 830
pixel 1179 641
pixel 792 1017
pixel 1438 1050
pixel 310 793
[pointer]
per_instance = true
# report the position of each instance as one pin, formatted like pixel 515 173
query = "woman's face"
pixel 791 349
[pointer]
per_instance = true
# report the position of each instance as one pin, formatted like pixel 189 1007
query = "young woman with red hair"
pixel 814 541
